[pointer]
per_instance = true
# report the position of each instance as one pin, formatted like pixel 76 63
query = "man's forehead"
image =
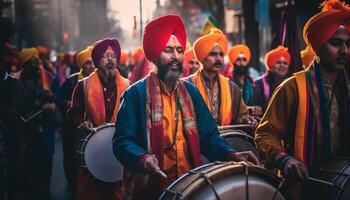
pixel 173 42
pixel 109 50
pixel 241 55
pixel 217 48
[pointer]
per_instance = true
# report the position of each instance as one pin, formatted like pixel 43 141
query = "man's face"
pixel 240 65
pixel 170 61
pixel 88 67
pixel 280 68
pixel 194 65
pixel 335 53
pixel 108 63
pixel 214 60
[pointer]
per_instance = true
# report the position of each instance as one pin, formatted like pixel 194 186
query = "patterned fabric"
pixel 155 124
pixel 213 91
pixel 226 114
pixel 317 129
pixel 94 97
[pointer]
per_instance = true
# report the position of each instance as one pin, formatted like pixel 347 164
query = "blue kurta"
pixel 130 137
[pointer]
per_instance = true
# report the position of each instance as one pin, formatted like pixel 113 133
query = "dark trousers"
pixel 70 161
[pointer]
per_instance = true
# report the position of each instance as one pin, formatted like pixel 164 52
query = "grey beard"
pixel 171 77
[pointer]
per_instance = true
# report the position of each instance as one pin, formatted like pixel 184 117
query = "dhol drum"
pixel 239 140
pixel 227 180
pixel 333 181
pixel 96 154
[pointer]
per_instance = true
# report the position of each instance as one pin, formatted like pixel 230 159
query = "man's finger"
pixel 252 158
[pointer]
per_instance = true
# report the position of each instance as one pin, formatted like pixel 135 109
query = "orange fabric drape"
pixel 225 95
pixel 95 106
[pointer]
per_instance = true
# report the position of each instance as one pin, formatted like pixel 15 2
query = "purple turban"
pixel 100 48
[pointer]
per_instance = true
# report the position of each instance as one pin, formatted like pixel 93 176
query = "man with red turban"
pixel 191 64
pixel 163 141
pixel 68 131
pixel 307 122
pixel 277 70
pixel 95 101
pixel 222 96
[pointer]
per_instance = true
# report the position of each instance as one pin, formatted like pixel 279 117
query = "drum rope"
pixel 246 172
pixel 207 179
pixel 280 185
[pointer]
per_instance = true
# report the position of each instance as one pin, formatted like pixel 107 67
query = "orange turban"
pixel 273 56
pixel 323 25
pixel 188 56
pixel 43 51
pixel 238 49
pixel 83 56
pixel 123 58
pixel 137 55
pixel 26 54
pixel 307 56
pixel 157 34
pixel 203 45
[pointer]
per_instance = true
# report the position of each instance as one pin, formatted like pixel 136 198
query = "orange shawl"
pixel 94 98
pixel 226 114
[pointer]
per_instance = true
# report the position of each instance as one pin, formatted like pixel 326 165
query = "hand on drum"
pixel 87 126
pixel 250 120
pixel 247 156
pixel 295 169
pixel 149 163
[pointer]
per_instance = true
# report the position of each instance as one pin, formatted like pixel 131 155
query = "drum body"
pixel 336 171
pixel 226 180
pixel 96 154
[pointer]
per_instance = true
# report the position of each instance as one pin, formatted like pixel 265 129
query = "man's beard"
pixel 166 74
pixel 240 70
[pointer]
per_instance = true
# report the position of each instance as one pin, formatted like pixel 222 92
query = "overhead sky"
pixel 127 9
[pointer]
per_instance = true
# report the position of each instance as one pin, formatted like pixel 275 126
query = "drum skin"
pixel 99 157
pixel 230 180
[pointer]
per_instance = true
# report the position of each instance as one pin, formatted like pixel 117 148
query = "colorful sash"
pixel 94 98
pixel 226 111
pixel 312 130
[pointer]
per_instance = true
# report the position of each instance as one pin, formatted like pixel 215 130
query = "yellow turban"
pixel 26 54
pixel 307 56
pixel 203 45
pixel 84 56
pixel 238 49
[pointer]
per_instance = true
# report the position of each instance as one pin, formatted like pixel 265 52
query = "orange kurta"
pixel 176 160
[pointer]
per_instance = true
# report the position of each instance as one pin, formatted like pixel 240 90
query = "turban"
pixel 100 48
pixel 123 58
pixel 188 56
pixel 307 56
pixel 238 49
pixel 273 56
pixel 26 54
pixel 323 25
pixel 203 45
pixel 157 34
pixel 83 56
pixel 137 55
pixel 43 51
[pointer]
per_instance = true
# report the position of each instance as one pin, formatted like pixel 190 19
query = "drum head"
pixel 99 157
pixel 228 181
pixel 240 141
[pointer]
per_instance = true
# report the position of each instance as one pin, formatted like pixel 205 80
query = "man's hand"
pixel 295 169
pixel 250 120
pixel 49 106
pixel 149 164
pixel 87 126
pixel 247 156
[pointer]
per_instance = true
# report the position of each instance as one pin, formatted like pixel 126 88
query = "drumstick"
pixel 160 172
pixel 32 116
pixel 322 182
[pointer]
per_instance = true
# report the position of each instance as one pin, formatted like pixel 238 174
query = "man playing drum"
pixel 307 119
pixel 222 96
pixel 163 125
pixel 95 102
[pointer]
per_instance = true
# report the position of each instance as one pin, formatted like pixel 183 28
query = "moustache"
pixel 218 64
pixel 174 62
